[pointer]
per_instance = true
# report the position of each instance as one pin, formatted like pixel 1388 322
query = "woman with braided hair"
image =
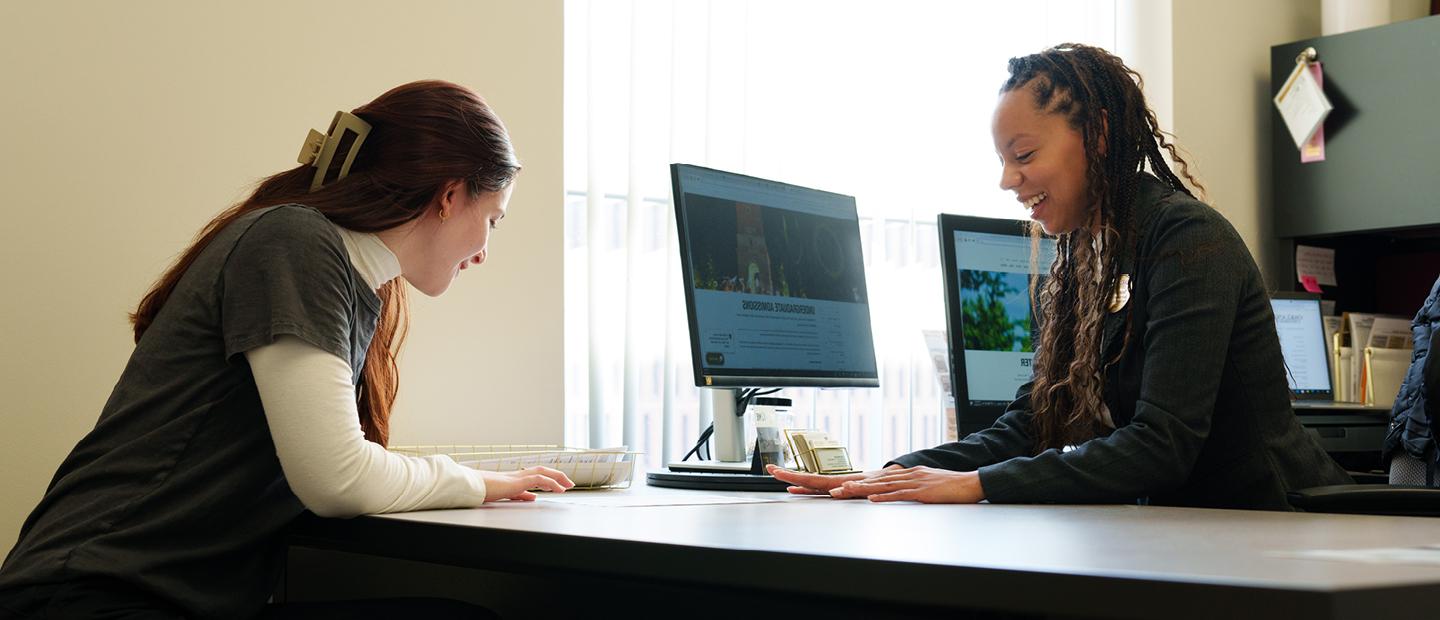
pixel 1158 374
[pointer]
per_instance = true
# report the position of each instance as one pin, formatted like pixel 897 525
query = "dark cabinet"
pixel 1382 166
pixel 1375 198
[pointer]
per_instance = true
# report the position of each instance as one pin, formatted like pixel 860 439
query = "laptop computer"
pixel 1301 329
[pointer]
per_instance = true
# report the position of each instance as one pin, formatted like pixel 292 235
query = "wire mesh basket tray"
pixel 588 468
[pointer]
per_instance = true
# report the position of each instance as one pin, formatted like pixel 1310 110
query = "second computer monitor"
pixel 992 330
pixel 774 282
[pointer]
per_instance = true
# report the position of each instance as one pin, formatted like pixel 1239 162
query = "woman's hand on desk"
pixel 817 484
pixel 517 484
pixel 894 483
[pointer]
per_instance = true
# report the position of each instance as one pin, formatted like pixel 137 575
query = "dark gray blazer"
pixel 1199 397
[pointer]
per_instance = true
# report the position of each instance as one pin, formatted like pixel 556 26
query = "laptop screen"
pixel 1302 342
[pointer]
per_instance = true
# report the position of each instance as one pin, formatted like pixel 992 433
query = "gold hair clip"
pixel 319 148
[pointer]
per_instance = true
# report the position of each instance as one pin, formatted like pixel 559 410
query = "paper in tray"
pixel 586 467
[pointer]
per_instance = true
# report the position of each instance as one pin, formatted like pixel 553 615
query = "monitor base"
pixel 723 467
pixel 715 481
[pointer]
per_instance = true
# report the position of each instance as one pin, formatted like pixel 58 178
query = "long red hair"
pixel 425 134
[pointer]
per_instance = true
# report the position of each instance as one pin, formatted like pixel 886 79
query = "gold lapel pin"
pixel 1121 296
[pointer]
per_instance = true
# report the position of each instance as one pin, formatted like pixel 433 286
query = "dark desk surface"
pixel 1112 561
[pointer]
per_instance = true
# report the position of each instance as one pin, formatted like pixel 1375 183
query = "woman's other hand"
pixel 894 483
pixel 517 485
pixel 818 484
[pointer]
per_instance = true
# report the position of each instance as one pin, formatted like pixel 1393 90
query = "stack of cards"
pixel 816 452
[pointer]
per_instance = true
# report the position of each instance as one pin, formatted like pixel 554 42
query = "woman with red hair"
pixel 263 376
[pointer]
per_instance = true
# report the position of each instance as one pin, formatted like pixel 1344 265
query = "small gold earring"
pixel 444 216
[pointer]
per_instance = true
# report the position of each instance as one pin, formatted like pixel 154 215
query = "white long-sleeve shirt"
pixel 314 421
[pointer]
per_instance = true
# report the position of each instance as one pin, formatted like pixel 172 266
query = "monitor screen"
pixel 774 282
pixel 988 313
pixel 1302 343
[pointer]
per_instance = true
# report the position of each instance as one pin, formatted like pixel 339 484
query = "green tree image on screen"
pixel 989 326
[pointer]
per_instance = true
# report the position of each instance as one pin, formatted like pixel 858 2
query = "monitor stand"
pixel 731 471
pixel 714 467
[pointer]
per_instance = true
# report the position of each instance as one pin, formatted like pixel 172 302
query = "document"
pixel 1358 324
pixel 1316 262
pixel 937 342
pixel 1302 104
pixel 1391 333
pixel 1373 331
pixel 595 467
pixel 1331 325
pixel 1314 149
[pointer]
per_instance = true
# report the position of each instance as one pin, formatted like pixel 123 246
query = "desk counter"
pixel 1091 561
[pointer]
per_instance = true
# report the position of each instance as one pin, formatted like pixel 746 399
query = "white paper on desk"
pixel 615 499
pixel 521 459
pixel 1318 262
pixel 1302 104
pixel 1428 554
pixel 586 468
pixel 1390 333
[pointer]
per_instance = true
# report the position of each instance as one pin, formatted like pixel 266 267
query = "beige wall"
pixel 126 125
pixel 1144 39
pixel 1222 105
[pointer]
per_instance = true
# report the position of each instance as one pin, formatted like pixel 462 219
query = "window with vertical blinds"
pixel 889 102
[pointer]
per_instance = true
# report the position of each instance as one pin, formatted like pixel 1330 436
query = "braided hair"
pixel 1102 99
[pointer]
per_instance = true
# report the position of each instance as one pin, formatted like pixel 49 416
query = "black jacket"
pixel 1199 397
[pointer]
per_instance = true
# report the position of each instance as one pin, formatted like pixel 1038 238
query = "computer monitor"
pixel 1302 344
pixel 988 315
pixel 774 290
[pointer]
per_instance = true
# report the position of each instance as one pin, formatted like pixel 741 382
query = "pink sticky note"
pixel 1310 284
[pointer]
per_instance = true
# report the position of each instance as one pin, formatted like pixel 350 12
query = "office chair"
pixel 1411 492
pixel 1414 486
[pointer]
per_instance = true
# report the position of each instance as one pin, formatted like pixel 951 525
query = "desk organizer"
pixel 588 468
